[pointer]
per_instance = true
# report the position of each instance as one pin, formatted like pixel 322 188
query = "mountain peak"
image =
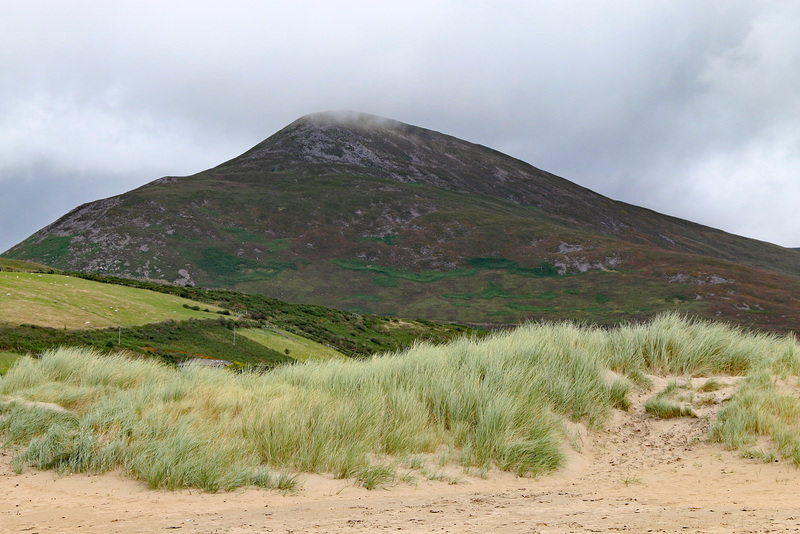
pixel 360 144
pixel 337 138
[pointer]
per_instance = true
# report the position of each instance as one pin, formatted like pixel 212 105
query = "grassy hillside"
pixel 299 348
pixel 354 334
pixel 62 301
pixel 493 261
pixel 394 418
pixel 7 264
pixel 175 324
pixel 170 341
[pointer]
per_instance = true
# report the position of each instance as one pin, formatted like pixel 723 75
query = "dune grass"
pixel 672 401
pixel 762 420
pixel 496 402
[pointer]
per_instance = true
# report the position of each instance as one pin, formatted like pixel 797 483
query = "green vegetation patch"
pixel 52 250
pixel 493 291
pixel 546 269
pixel 529 308
pixel 231 270
pixel 277 245
pixel 7 359
pixel 673 401
pixel 385 281
pixel 390 276
pixel 243 234
pixel 426 276
pixel 388 239
pixel 294 346
pixel 493 263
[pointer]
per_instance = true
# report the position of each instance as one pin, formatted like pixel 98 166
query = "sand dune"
pixel 638 475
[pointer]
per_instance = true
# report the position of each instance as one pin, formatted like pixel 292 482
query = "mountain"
pixel 369 214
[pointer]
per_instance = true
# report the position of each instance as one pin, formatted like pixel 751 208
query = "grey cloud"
pixel 684 107
pixel 37 195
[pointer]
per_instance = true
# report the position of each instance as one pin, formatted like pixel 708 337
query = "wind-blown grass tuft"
pixel 664 408
pixel 375 476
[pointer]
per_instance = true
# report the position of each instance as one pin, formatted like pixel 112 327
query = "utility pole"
pixel 234 335
pixel 119 338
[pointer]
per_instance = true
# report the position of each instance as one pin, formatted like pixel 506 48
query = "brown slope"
pixel 367 145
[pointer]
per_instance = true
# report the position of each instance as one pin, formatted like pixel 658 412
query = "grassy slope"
pixel 170 341
pixel 7 264
pixel 40 305
pixel 62 301
pixel 50 301
pixel 377 419
pixel 353 334
pixel 297 347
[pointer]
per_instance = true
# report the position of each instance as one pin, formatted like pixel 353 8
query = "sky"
pixel 687 107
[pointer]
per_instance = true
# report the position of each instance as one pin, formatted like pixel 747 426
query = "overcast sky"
pixel 691 108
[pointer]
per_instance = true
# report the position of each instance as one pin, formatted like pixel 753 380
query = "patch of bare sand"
pixel 638 475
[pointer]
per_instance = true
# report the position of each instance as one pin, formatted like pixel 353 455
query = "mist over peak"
pixel 348 117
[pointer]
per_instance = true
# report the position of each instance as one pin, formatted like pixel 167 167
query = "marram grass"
pixel 498 402
pixel 762 408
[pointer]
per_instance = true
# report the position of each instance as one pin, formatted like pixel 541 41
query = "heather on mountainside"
pixel 374 216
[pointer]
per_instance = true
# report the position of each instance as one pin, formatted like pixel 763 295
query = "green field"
pixel 62 301
pixel 292 345
pixel 7 359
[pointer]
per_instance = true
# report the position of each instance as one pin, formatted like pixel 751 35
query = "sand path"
pixel 639 475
